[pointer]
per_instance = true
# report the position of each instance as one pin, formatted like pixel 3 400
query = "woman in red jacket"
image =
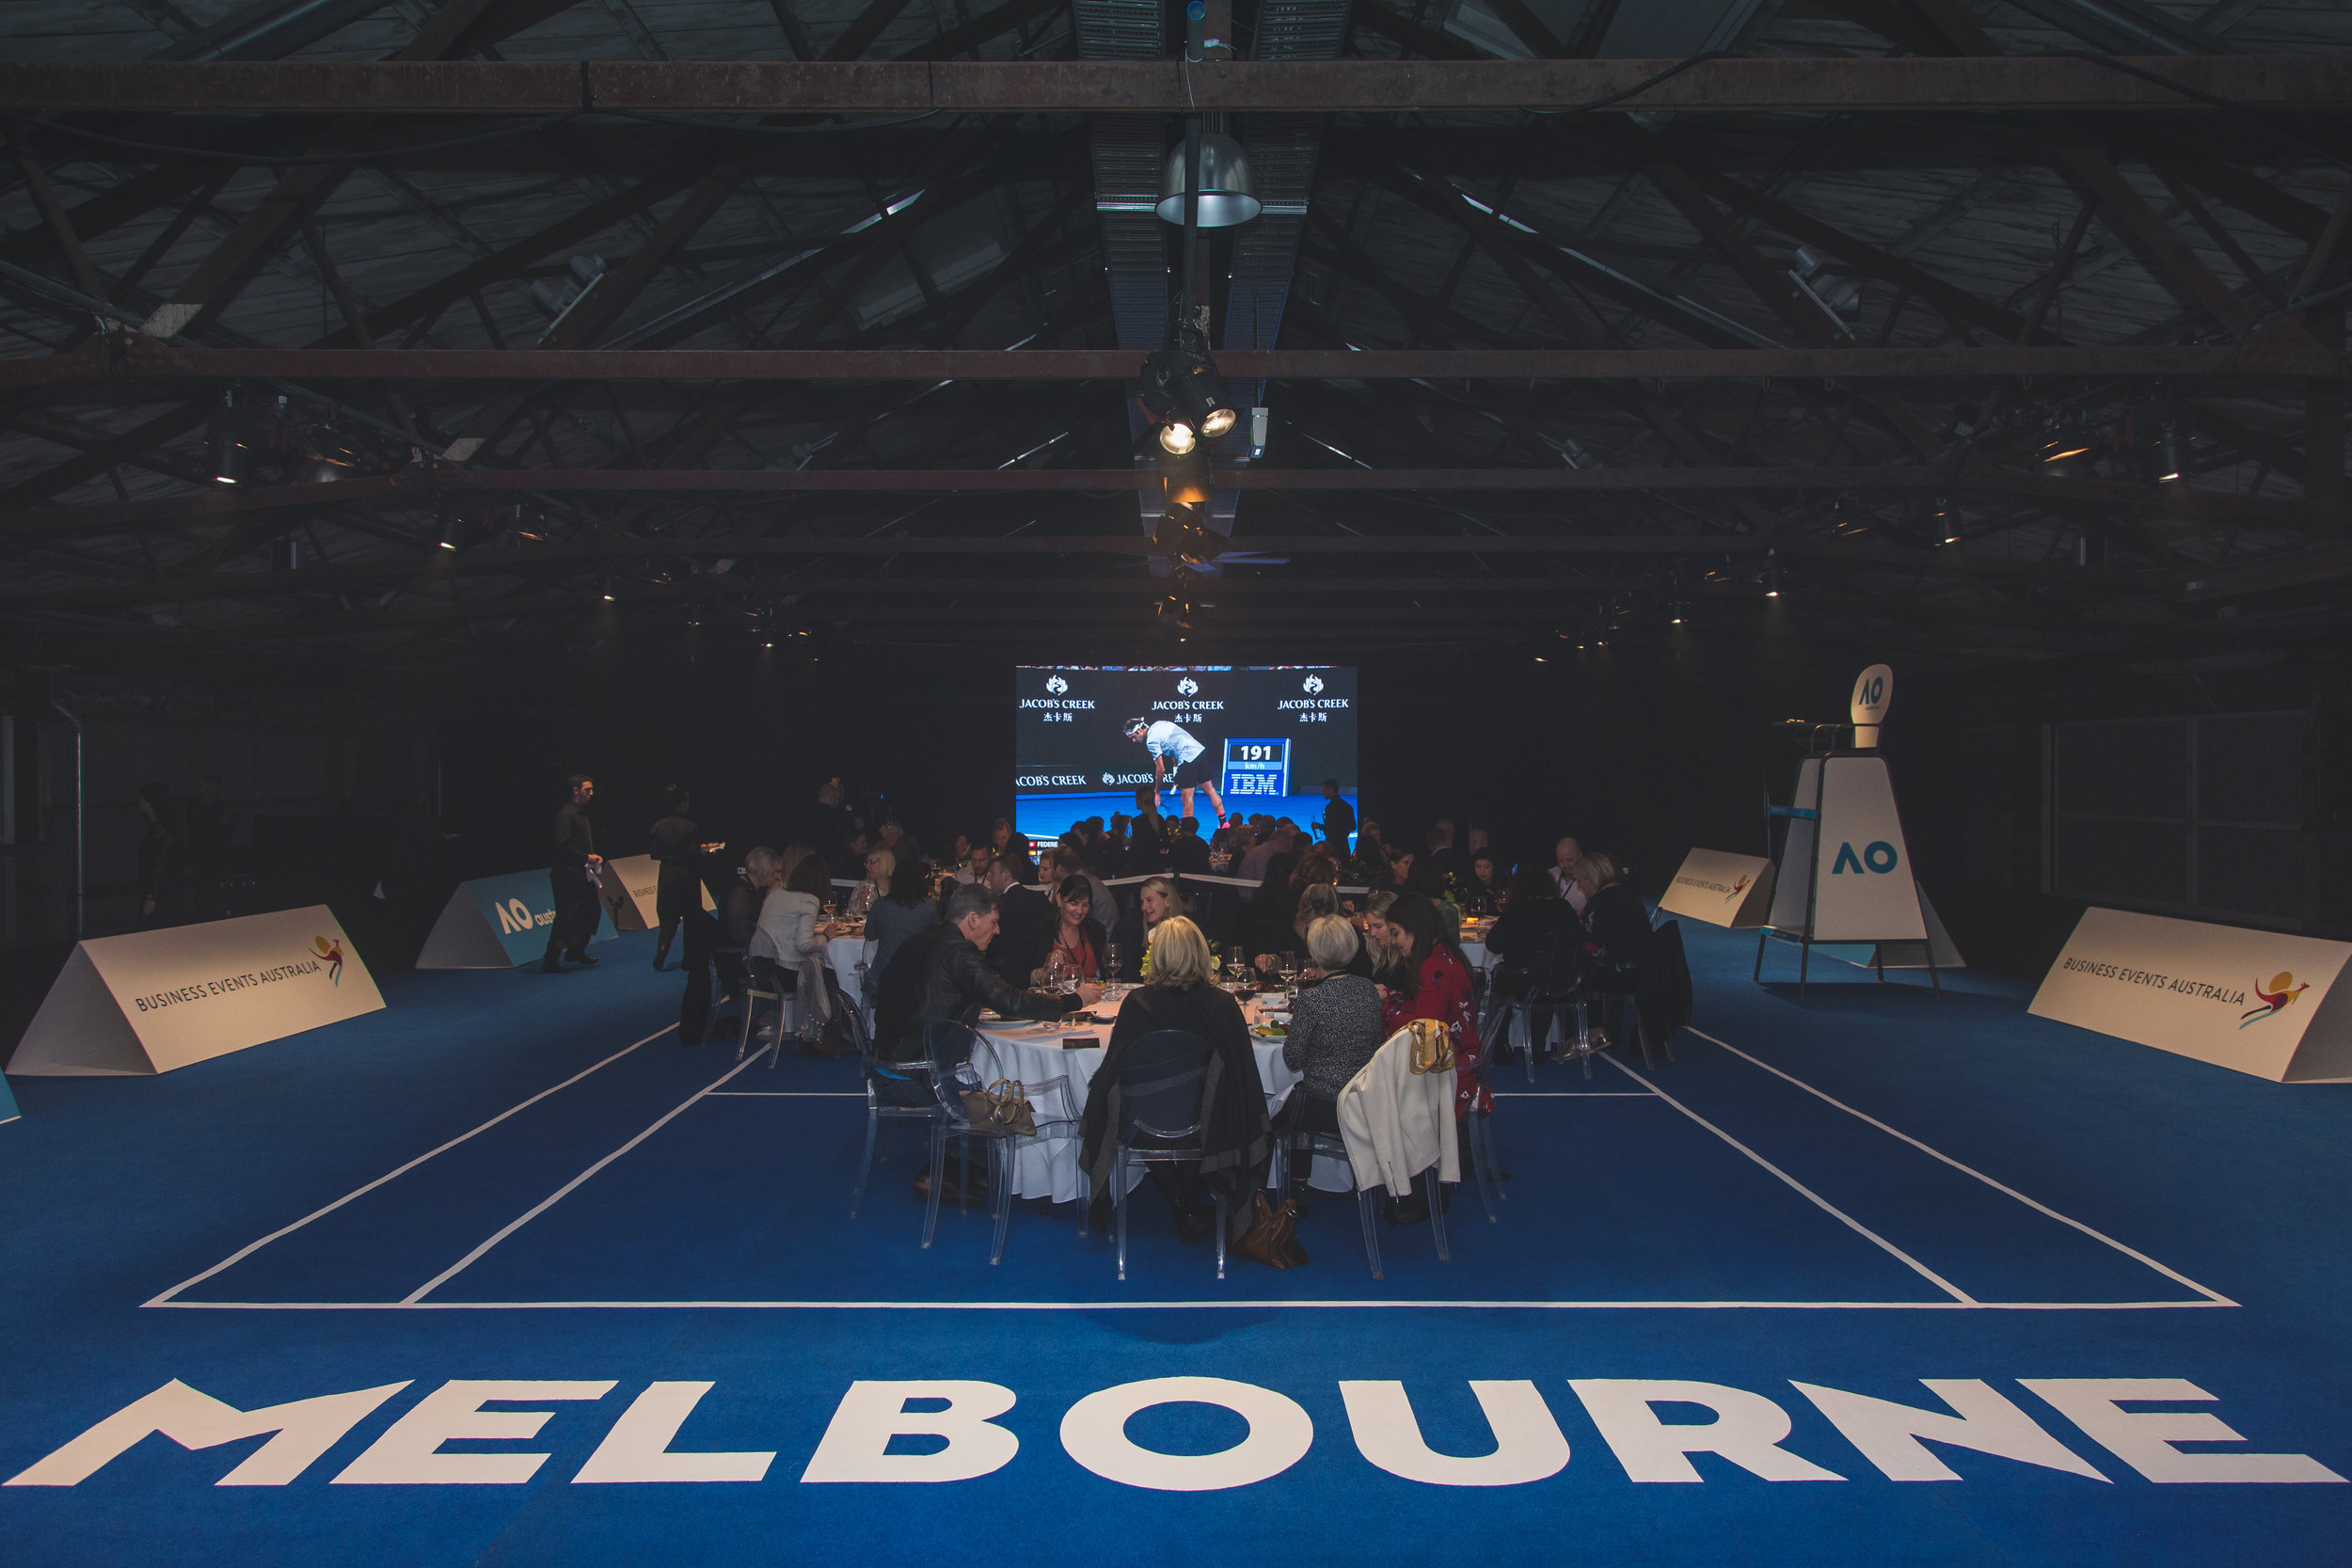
pixel 1425 976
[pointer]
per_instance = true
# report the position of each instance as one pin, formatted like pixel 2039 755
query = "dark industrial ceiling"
pixel 1801 333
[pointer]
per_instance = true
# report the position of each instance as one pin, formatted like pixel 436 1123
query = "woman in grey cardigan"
pixel 1335 1029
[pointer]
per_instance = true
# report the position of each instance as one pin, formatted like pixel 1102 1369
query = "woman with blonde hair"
pixel 785 940
pixel 1235 1137
pixel 1156 903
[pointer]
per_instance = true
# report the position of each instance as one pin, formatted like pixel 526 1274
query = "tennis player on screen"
pixel 1177 758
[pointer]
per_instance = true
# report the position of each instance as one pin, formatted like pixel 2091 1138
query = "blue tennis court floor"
pixel 580 1251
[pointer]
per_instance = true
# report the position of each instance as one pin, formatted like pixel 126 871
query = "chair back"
pixel 948 1045
pixel 850 1017
pixel 1160 1078
pixel 1559 966
pixel 1662 981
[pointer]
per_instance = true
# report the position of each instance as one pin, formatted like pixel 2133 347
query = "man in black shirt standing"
pixel 574 869
pixel 1339 819
pixel 676 844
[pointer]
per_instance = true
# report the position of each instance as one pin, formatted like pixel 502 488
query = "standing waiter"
pixel 677 849
pixel 573 872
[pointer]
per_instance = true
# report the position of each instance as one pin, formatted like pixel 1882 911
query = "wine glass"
pixel 1113 967
pixel 1290 968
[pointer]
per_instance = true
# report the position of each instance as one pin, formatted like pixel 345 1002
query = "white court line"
pixel 1959 1295
pixel 567 1188
pixel 1180 1306
pixel 2215 1297
pixel 785 1094
pixel 252 1247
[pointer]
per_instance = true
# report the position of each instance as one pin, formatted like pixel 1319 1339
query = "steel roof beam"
pixel 2308 82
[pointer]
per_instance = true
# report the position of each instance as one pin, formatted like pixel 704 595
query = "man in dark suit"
pixel 573 869
pixel 1025 922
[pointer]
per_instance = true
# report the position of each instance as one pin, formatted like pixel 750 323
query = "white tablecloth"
pixel 1033 1052
pixel 843 955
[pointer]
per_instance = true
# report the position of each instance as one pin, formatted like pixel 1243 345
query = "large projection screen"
pixel 1263 737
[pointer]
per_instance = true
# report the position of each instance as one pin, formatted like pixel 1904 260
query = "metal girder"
pixel 129 357
pixel 415 487
pixel 2309 83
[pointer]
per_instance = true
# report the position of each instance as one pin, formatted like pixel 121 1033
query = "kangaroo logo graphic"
pixel 2282 991
pixel 332 951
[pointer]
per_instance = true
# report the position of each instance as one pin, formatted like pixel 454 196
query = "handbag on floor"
pixel 1000 1108
pixel 1272 1238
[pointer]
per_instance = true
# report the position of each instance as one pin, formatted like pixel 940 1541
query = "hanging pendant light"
pixel 1226 196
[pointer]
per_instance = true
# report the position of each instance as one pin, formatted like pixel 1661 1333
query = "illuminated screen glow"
pixel 1263 737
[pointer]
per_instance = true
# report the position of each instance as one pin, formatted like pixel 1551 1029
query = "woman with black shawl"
pixel 1236 1137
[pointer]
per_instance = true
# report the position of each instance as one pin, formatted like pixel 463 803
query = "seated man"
pixel 1026 921
pixel 939 973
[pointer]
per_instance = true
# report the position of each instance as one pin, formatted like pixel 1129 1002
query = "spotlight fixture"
pixel 225 451
pixel 1771 579
pixel 1184 393
pixel 1184 535
pixel 1677 610
pixel 2169 465
pixel 450 527
pixel 608 591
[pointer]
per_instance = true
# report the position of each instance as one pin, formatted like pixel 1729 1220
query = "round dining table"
pixel 1035 1055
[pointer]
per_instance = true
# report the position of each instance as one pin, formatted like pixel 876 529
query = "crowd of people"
pixel 999 922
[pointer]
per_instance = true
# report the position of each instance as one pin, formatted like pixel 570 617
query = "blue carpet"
pixel 1645 1205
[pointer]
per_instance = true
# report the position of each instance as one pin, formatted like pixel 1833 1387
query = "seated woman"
pixel 1531 911
pixel 880 865
pixel 1482 893
pixel 1613 913
pixel 1156 903
pixel 1075 952
pixel 1315 901
pixel 1422 974
pixel 784 941
pixel 1235 1137
pixel 1336 1027
pixel 905 909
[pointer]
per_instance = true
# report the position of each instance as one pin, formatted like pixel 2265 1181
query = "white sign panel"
pixel 1720 889
pixel 154 1001
pixel 2254 1001
pixel 631 888
pixel 1856 850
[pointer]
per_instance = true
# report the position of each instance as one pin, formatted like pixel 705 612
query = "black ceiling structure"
pixel 412 344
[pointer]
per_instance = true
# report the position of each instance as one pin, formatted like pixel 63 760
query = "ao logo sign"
pixel 514 916
pixel 1878 856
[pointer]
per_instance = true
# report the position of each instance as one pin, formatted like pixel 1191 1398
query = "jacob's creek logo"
pixel 1051 781
pixel 1312 685
pixel 2275 999
pixel 1056 685
pixel 1187 687
pixel 1878 856
pixel 228 985
pixel 516 916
